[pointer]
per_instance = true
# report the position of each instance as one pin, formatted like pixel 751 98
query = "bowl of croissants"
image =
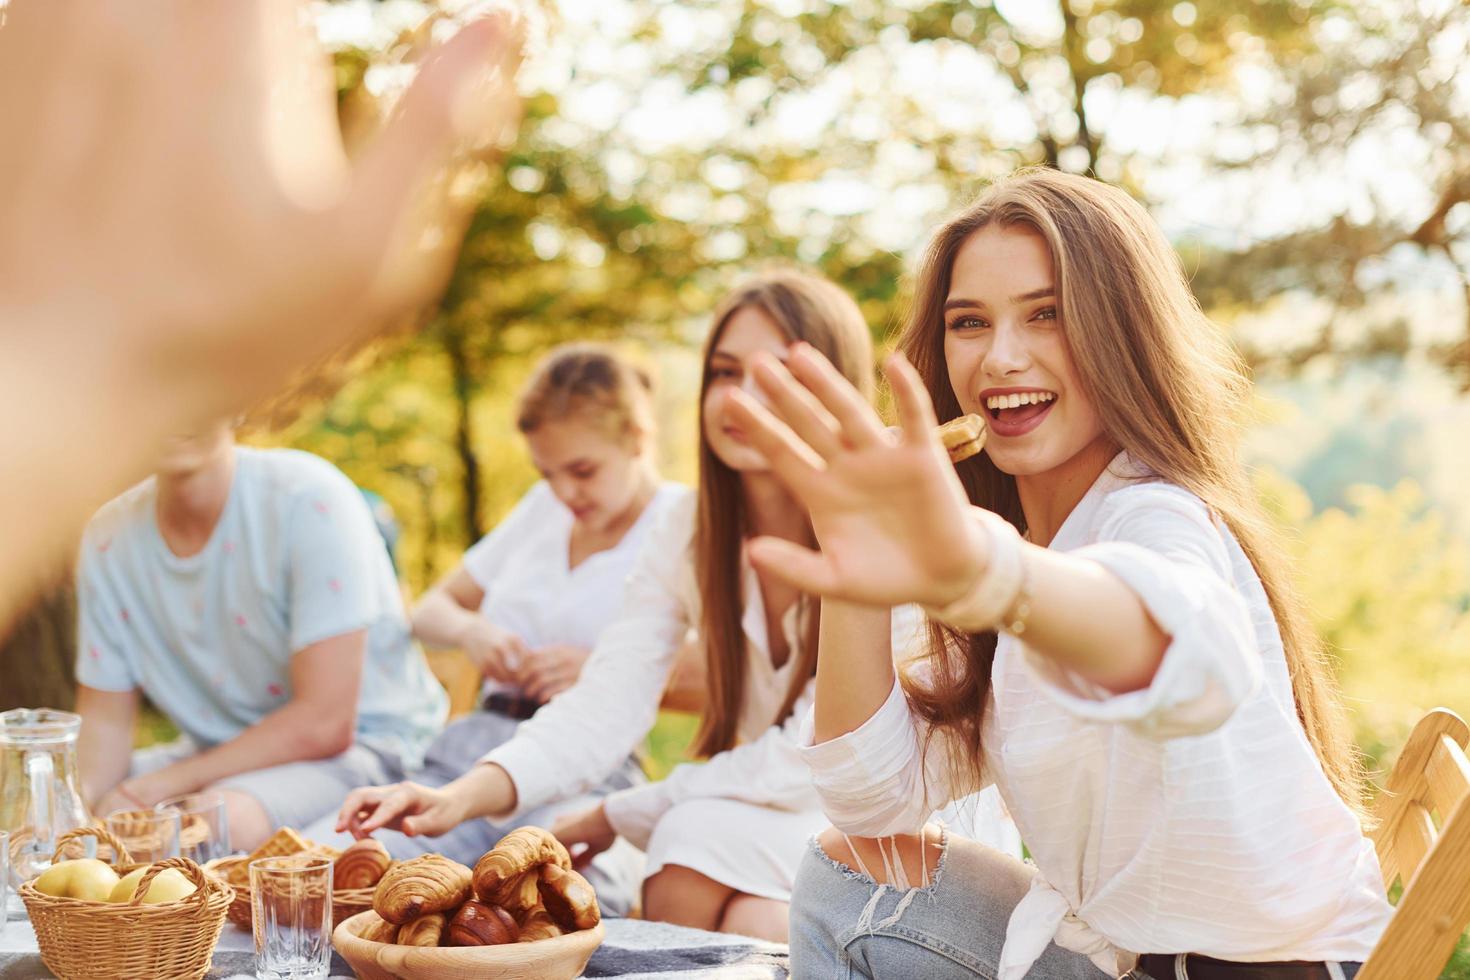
pixel 521 912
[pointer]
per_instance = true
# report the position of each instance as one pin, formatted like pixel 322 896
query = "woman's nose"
pixel 1007 353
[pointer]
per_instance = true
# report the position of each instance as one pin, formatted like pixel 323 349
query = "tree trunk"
pixel 463 443
pixel 38 657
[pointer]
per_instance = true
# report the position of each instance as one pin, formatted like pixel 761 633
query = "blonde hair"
pixel 803 306
pixel 593 382
pixel 1169 389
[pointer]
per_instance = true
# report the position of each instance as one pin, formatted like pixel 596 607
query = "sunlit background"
pixel 1309 158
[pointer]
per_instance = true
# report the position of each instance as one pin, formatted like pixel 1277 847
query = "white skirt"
pixel 752 849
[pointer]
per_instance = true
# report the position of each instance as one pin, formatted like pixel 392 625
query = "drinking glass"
pixel 149 835
pixel 291 904
pixel 4 878
pixel 204 826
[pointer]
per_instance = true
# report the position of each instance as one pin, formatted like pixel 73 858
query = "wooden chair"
pixel 1430 856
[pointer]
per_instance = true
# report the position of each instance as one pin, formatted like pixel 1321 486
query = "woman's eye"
pixel 723 374
pixel 586 474
pixel 967 323
pixel 1049 313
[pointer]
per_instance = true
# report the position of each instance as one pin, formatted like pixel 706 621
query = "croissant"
pixel 537 923
pixel 518 894
pixel 569 898
pixel 378 931
pixel 426 930
pixel 519 851
pixel 362 865
pixel 420 886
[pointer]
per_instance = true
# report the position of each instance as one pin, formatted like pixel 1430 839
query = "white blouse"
pixel 1190 816
pixel 523 567
pixel 588 730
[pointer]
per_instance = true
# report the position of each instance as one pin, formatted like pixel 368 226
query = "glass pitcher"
pixel 40 789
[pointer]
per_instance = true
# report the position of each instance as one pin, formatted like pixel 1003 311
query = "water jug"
pixel 40 789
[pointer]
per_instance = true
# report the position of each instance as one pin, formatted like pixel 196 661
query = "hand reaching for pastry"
pixel 413 809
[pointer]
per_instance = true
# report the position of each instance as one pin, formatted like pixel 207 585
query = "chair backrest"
pixel 1422 834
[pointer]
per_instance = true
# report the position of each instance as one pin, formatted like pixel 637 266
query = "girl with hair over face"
pixel 528 602
pixel 1114 641
pixel 723 837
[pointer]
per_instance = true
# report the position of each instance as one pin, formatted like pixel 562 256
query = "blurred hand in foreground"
pixel 180 227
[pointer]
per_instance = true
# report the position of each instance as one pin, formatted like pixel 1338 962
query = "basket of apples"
pixel 98 920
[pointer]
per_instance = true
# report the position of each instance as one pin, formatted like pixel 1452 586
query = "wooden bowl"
pixel 562 958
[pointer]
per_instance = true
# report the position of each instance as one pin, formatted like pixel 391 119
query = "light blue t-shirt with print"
pixel 295 559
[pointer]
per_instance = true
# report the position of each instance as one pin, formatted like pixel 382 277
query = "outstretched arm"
pixel 895 526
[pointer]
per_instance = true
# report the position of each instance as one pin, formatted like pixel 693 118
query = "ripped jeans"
pixel 843 927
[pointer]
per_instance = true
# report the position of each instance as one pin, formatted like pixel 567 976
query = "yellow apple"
pixel 86 878
pixel 169 886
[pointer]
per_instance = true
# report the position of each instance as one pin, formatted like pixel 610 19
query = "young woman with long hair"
pixel 1114 641
pixel 723 837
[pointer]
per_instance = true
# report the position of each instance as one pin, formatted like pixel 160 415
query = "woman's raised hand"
pixel 889 513
pixel 181 227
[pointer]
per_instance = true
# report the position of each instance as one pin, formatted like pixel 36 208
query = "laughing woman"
pixel 1114 641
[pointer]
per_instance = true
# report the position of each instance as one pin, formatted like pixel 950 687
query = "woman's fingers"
pixel 792 459
pixel 805 569
pixel 915 408
pixel 390 809
pixel 357 801
pixel 797 407
pixel 431 821
pixel 861 426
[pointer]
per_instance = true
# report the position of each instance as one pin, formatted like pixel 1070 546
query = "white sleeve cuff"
pixel 635 811
pixel 866 778
pixel 530 769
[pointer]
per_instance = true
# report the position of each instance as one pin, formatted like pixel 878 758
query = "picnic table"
pixel 633 949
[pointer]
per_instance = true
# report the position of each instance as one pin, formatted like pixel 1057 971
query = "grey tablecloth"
pixel 633 949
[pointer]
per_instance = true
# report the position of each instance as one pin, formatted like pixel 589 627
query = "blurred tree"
pixel 1389 591
pixel 668 146
pixel 1376 119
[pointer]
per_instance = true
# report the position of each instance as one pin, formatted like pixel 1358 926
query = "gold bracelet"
pixel 1017 616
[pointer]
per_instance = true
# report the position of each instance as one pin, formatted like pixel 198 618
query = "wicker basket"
pixel 346 902
pixel 83 940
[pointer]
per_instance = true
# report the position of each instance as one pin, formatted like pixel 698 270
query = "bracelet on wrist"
pixel 995 593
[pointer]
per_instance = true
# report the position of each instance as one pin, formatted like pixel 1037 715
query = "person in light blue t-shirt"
pixel 248 594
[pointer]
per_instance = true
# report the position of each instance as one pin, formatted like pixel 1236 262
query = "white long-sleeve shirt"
pixel 584 733
pixel 1190 816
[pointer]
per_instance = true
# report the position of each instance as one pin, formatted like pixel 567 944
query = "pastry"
pixel 519 851
pixel 569 898
pixel 283 843
pixel 518 894
pixel 537 923
pixel 963 437
pixel 477 924
pixel 377 930
pixel 361 866
pixel 420 886
pixel 426 930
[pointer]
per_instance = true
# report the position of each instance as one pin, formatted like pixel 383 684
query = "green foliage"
pixel 1388 590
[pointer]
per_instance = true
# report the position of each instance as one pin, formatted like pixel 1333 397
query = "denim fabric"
pixel 844 927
